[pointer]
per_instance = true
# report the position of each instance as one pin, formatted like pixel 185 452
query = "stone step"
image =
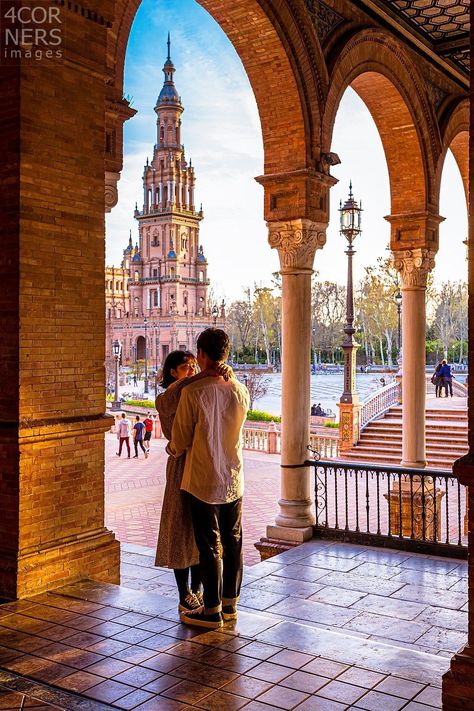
pixel 390 459
pixel 431 446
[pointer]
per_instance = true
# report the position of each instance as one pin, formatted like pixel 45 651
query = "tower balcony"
pixel 155 210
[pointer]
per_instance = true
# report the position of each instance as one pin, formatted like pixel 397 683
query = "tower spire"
pixel 169 48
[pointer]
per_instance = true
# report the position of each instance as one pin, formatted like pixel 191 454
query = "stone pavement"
pixel 134 491
pixel 323 627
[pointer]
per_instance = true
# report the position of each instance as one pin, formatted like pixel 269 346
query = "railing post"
pixel 272 439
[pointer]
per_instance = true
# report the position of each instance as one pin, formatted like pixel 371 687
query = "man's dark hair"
pixel 214 342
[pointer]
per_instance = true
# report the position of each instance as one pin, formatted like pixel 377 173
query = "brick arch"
pixel 283 61
pixel 383 75
pixel 455 135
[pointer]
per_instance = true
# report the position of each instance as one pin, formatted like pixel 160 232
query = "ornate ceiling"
pixel 440 27
pixel 444 24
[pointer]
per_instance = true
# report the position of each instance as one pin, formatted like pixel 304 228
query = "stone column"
pixel 414 265
pixel 296 242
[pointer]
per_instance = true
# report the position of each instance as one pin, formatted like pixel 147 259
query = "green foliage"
pixel 141 403
pixel 332 425
pixel 260 416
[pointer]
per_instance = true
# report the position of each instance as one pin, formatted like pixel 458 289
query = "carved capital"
pixel 296 242
pixel 111 191
pixel 414 265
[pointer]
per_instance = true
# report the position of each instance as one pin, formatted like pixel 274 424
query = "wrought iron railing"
pixel 379 402
pixel 412 509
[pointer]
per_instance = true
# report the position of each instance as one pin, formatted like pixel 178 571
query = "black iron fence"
pixel 413 509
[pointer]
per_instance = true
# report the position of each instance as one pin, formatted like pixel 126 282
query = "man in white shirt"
pixel 208 426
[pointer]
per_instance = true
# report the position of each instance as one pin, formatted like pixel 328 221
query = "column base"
pixel 421 464
pixel 95 556
pixel 280 539
pixel 294 514
pixel 458 682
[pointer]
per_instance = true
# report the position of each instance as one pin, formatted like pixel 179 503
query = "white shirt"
pixel 124 428
pixel 208 426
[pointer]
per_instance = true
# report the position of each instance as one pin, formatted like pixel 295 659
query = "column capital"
pixel 415 230
pixel 296 194
pixel 414 265
pixel 296 242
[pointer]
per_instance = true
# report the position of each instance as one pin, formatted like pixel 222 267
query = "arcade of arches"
pixel 62 130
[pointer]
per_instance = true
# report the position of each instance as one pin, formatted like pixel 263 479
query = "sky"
pixel 221 133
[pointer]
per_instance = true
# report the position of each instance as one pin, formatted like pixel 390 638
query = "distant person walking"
pixel 123 434
pixel 447 378
pixel 148 422
pixel 138 434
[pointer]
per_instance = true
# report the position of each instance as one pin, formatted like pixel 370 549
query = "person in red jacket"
pixel 148 422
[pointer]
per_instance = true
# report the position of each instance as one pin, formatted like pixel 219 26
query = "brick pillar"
pixel 53 322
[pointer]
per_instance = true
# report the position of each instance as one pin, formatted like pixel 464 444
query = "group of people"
pixel 443 379
pixel 202 414
pixel 141 433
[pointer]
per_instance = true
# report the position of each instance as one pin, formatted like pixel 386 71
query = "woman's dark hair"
pixel 173 360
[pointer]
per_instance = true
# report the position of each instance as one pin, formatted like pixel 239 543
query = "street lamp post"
pixel 145 390
pixel 215 314
pixel 116 349
pixel 398 300
pixel 349 406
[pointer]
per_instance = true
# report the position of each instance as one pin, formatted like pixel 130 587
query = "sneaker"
pixel 200 597
pixel 229 612
pixel 146 455
pixel 200 618
pixel 189 603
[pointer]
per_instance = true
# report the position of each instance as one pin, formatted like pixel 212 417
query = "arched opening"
pixel 140 348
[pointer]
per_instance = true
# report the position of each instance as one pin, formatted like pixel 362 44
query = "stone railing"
pixel 262 437
pixel 379 402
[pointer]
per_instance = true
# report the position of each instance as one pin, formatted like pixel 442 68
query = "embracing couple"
pixel 200 537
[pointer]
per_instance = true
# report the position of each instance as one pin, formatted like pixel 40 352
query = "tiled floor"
pixel 323 627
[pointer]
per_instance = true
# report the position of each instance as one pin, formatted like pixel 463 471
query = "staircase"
pixel 381 440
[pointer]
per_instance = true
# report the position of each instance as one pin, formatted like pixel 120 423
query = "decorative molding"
pixel 111 190
pixel 414 265
pixel 435 94
pixel 297 242
pixel 324 18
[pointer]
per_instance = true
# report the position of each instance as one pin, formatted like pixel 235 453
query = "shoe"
pixel 200 618
pixel 199 596
pixel 189 603
pixel 229 612
pixel 146 455
pixel 117 454
pixel 135 456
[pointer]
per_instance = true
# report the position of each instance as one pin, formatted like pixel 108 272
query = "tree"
pixel 257 384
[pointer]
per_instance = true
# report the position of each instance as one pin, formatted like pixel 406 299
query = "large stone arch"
pixel 455 135
pixel 283 61
pixel 383 75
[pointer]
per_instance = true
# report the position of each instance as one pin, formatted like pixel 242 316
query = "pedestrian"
pixel 208 427
pixel 123 434
pixel 437 380
pixel 135 380
pixel 138 432
pixel 447 378
pixel 148 422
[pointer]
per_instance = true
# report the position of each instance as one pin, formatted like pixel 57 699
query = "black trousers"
pixel 216 527
pixel 137 442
